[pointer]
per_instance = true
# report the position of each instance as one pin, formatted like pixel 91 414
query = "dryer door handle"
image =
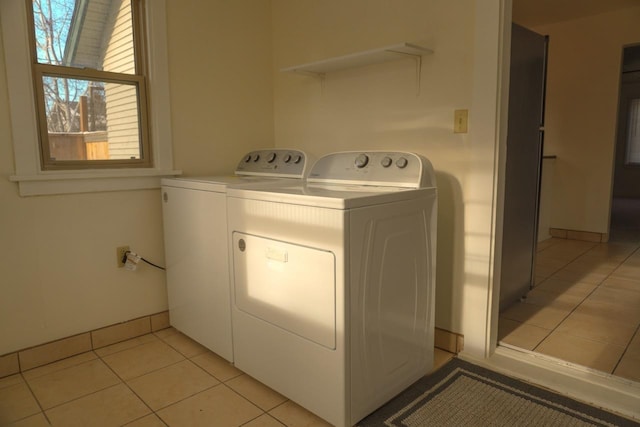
pixel 277 254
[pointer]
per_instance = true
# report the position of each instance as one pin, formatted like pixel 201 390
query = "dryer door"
pixel 290 286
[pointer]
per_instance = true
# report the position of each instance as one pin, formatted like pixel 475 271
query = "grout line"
pixel 208 373
pixel 277 406
pixel 247 399
pixel 128 348
pixel 626 349
pixel 122 381
pixel 637 249
pixel 596 287
pixel 264 413
pixel 80 397
pixel 560 268
pixel 93 347
pixel 42 411
pixel 146 373
pixel 180 400
pixel 185 358
pixel 568 314
pixel 62 368
pixel 145 416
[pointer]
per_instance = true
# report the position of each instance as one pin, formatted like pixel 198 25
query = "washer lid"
pixel 218 184
pixel 333 196
pixel 272 165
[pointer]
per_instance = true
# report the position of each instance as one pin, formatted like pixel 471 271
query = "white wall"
pixel 58 273
pixel 581 113
pixel 377 107
pixel 221 82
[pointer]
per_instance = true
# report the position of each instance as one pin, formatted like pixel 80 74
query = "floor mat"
pixel 463 394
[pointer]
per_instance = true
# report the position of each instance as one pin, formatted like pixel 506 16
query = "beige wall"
pixel 377 107
pixel 221 84
pixel 228 97
pixel 582 100
pixel 58 273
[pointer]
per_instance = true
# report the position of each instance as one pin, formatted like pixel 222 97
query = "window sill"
pixel 70 182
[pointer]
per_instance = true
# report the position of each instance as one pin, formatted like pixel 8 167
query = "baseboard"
pixel 587 236
pixel 43 354
pixel 448 341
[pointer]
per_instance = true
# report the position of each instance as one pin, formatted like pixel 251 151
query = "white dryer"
pixel 333 301
pixel 195 238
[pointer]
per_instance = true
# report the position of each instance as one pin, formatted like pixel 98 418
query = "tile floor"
pixel 584 307
pixel 158 379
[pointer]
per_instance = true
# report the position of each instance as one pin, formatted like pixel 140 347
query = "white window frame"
pixel 32 180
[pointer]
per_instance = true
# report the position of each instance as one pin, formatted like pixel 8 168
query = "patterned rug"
pixel 463 394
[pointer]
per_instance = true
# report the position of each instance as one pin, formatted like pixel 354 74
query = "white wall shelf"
pixel 360 59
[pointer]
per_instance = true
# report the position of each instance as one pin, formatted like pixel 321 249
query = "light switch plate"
pixel 460 121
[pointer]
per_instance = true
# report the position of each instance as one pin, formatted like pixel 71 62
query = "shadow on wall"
pixel 450 253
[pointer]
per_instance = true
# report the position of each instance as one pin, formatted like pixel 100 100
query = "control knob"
pixel 256 158
pixel 287 158
pixel 297 159
pixel 386 162
pixel 271 158
pixel 402 162
pixel 361 161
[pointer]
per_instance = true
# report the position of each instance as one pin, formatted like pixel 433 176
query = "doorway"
pixel 576 278
pixel 625 204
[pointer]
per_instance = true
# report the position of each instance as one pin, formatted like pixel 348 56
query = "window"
pixel 86 101
pixel 89 83
pixel 632 155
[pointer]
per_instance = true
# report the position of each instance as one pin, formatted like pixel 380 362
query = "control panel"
pixel 274 162
pixel 392 168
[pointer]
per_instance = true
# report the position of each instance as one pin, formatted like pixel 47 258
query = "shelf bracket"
pixel 418 61
pixel 321 77
pixel 314 74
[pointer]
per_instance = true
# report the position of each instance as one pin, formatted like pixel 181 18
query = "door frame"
pixel 492 37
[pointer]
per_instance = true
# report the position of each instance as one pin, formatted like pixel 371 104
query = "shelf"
pixel 360 59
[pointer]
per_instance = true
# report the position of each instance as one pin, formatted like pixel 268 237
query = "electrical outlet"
pixel 121 252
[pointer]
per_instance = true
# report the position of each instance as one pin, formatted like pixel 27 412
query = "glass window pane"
pixel 96 34
pixel 89 120
pixel 633 132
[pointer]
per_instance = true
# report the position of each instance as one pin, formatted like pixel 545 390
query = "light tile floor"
pixel 584 307
pixel 159 379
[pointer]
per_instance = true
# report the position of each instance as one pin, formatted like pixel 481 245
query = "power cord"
pixel 132 258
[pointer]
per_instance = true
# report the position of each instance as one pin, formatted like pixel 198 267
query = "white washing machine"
pixel 195 238
pixel 333 279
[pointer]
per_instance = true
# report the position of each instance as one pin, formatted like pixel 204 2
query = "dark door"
pixel 627 166
pixel 524 159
